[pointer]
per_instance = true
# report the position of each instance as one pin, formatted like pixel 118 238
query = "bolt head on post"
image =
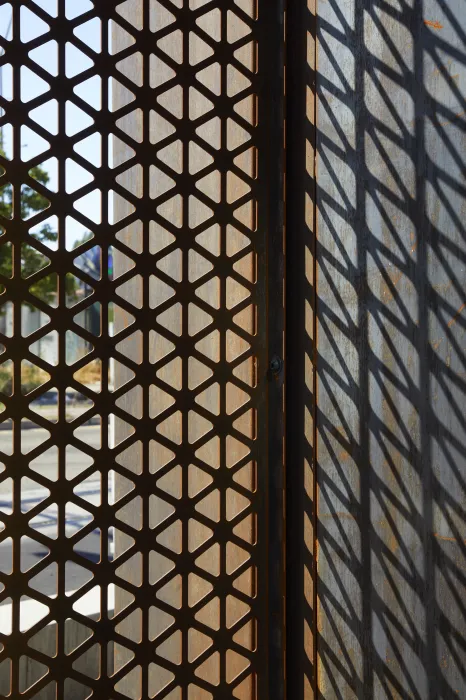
pixel 276 365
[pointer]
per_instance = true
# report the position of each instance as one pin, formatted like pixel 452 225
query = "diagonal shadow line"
pixel 444 72
pixel 402 663
pixel 460 479
pixel 336 293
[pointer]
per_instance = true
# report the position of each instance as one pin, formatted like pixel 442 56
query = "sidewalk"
pixel 50 413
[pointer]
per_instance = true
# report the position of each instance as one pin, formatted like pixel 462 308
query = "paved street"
pixel 46 521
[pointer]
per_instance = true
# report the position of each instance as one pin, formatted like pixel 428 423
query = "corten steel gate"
pixel 148 561
pixel 171 112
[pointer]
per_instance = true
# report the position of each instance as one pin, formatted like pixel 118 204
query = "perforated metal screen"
pixel 135 171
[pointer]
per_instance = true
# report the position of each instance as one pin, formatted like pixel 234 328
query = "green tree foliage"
pixel 80 241
pixel 31 259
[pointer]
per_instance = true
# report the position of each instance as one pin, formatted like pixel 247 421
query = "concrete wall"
pixel 378 175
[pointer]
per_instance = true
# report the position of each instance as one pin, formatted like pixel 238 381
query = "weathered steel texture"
pixel 300 349
pixel 203 260
pixel 391 403
pixel 189 101
pixel 271 178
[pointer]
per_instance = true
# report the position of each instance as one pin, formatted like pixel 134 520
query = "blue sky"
pixel 31 85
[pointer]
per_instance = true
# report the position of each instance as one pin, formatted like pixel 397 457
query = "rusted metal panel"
pixel 205 253
pixel 300 350
pixel 183 190
pixel 391 436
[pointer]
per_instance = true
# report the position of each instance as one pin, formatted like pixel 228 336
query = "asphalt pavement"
pixel 46 521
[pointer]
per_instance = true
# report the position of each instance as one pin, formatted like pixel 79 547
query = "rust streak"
pixel 337 514
pixel 447 121
pixel 450 121
pixel 448 539
pixel 452 320
pixel 434 25
pixel 437 71
pixel 396 278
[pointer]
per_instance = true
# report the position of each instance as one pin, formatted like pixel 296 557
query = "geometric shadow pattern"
pixel 376 462
pixel 144 114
